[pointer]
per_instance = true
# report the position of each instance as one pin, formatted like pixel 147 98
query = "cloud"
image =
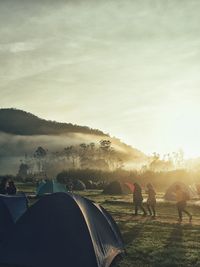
pixel 117 64
pixel 19 47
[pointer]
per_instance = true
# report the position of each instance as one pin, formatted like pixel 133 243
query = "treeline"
pixel 161 180
pixel 97 176
pixel 94 156
pixel 24 123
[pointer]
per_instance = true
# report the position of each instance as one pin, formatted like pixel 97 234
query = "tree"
pixel 40 155
pixel 71 154
pixel 105 145
pixel 23 171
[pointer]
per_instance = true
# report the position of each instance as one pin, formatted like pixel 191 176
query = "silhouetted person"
pixel 181 198
pixel 70 186
pixel 11 189
pixel 3 186
pixel 138 199
pixel 151 200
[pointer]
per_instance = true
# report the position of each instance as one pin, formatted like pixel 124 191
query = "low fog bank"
pixel 9 165
pixel 14 148
pixel 17 145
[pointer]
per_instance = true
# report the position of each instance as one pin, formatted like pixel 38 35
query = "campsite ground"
pixel 160 242
pixel 152 243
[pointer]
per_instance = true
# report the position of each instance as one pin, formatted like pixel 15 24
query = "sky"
pixel 130 68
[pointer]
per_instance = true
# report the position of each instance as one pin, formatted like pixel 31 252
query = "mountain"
pixel 21 133
pixel 19 122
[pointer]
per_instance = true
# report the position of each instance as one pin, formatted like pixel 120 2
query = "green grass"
pixel 153 243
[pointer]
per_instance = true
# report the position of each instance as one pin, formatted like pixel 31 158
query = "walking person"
pixel 151 200
pixel 181 199
pixel 138 199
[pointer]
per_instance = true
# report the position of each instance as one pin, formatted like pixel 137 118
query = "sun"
pixel 182 129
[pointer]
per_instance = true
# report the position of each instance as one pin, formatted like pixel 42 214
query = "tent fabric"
pixel 43 182
pixel 50 187
pixel 170 193
pixel 79 185
pixel 117 188
pixel 12 207
pixel 194 191
pixel 63 229
pixel 131 186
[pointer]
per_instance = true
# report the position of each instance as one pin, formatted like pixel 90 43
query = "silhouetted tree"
pixel 40 155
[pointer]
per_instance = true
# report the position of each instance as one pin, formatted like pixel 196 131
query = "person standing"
pixel 138 199
pixel 11 189
pixel 181 199
pixel 4 186
pixel 151 200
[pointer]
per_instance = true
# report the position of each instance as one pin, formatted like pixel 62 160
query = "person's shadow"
pixel 132 233
pixel 173 253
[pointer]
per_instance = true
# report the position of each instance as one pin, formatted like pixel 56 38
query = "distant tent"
pixel 198 188
pixel 11 209
pixel 194 190
pixel 93 185
pixel 131 186
pixel 170 193
pixel 78 185
pixel 118 188
pixel 62 230
pixel 49 187
pixel 40 185
pixel 89 184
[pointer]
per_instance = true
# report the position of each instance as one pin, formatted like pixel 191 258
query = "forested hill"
pixel 19 122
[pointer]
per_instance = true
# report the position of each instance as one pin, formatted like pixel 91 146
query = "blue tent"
pixel 62 230
pixel 11 209
pixel 50 187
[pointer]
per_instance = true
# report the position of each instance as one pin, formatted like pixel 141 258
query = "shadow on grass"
pixel 173 253
pixel 132 233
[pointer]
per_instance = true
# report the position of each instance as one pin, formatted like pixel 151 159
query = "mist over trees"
pixel 101 156
pixel 43 149
pixel 97 164
pixel 167 162
pixel 22 132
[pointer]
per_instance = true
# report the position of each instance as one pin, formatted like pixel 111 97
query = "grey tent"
pixel 89 184
pixel 78 185
pixel 49 187
pixel 170 193
pixel 11 209
pixel 40 185
pixel 117 188
pixel 62 230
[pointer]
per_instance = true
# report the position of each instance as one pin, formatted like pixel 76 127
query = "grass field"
pixel 159 242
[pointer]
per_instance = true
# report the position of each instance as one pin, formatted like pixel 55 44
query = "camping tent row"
pixel 118 188
pixel 52 186
pixel 190 190
pixel 60 229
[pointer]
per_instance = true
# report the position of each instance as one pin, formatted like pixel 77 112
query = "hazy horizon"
pixel 128 68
